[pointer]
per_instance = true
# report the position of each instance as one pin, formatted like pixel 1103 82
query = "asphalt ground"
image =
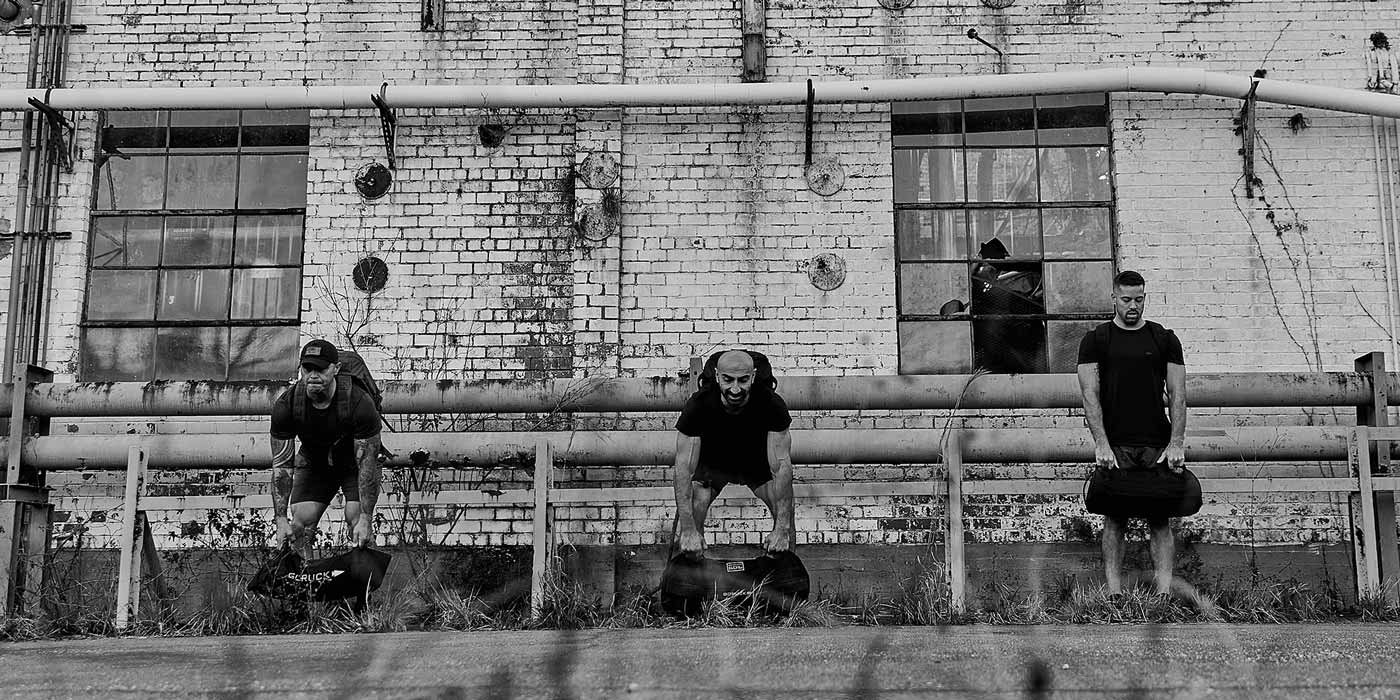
pixel 855 663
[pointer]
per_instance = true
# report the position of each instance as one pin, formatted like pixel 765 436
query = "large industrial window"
pixel 1003 221
pixel 196 244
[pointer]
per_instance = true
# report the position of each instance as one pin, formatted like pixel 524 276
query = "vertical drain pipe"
pixel 21 224
pixel 1385 202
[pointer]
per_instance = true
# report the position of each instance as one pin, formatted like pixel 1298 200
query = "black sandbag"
pixel 1142 493
pixel 779 581
pixel 352 574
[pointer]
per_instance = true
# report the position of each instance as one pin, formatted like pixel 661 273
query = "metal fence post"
pixel 25 513
pixel 133 540
pixel 1376 413
pixel 1368 579
pixel 953 545
pixel 541 541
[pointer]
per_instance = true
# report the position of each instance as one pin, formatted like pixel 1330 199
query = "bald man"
pixel 734 430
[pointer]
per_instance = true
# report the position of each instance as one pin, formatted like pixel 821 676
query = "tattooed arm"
pixel 283 452
pixel 367 457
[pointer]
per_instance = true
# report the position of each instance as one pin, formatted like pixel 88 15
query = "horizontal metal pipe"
pixel 660 394
pixel 657 447
pixel 1121 79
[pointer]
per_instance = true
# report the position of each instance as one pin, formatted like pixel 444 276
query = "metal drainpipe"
pixel 1385 200
pixel 21 222
pixel 56 51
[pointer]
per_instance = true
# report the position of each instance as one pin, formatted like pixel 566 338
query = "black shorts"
pixel 716 480
pixel 1137 456
pixel 320 485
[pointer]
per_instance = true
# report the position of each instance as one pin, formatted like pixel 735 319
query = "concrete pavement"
pixel 855 663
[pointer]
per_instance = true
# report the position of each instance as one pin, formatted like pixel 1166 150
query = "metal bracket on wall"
pixel 60 130
pixel 50 235
pixel 388 123
pixel 811 101
pixel 1247 133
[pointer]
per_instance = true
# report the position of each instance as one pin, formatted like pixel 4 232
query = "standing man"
pixel 338 427
pixel 734 429
pixel 1130 371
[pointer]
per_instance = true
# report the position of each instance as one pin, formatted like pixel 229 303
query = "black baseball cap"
pixel 319 354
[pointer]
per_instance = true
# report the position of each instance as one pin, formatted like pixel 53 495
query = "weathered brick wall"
pixel 489 279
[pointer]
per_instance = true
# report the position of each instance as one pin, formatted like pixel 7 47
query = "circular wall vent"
pixel 370 274
pixel 825 177
pixel 373 180
pixel 827 271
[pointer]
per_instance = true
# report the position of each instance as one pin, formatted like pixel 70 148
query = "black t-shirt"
pixel 321 432
pixel 734 444
pixel 1132 378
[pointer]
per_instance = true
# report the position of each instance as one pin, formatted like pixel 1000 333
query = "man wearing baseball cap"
pixel 338 426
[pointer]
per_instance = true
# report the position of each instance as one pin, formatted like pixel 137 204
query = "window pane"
pixel 272 181
pixel 936 123
pixel 266 293
pixel 126 241
pixel 1079 287
pixel 262 353
pixel 284 127
pixel 1005 233
pixel 134 183
pixel 121 295
pixel 1007 288
pixel 1070 119
pixel 1000 121
pixel 928 175
pixel 1064 337
pixel 935 347
pixel 1001 175
pixel 204 129
pixel 274 239
pixel 198 240
pixel 117 355
pixel 133 131
pixel 1076 233
pixel 201 182
pixel 1010 345
pixel 930 234
pixel 1074 174
pixel 194 295
pixel 933 288
pixel 192 353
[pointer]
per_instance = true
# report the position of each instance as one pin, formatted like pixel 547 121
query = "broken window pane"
pixel 192 353
pixel 1007 288
pixel 272 181
pixel 1076 232
pixel 198 240
pixel 201 182
pixel 194 295
pixel 126 241
pixel 1016 232
pixel 931 234
pixel 121 295
pixel 1001 175
pixel 1079 287
pixel 1074 174
pixel 928 175
pixel 137 182
pixel 927 289
pixel 117 355
pixel 935 347
pixel 274 239
pixel 1007 345
pixel 266 293
pixel 262 353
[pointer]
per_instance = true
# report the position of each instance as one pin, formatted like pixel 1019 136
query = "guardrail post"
pixel 134 536
pixel 541 541
pixel 953 542
pixel 1363 539
pixel 1376 413
pixel 25 513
